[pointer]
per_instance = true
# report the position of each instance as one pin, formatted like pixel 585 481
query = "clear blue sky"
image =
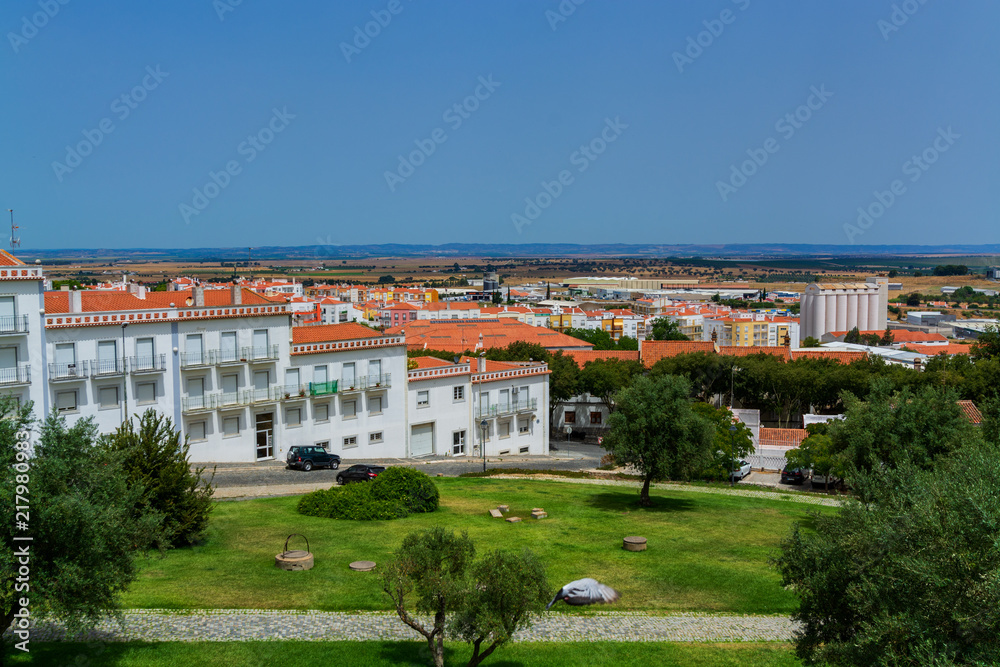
pixel 680 126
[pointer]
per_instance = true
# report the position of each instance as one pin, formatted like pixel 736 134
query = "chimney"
pixel 75 301
pixel 64 288
pixel 198 293
pixel 916 365
pixel 481 363
pixel 140 292
pixel 171 287
pixel 236 295
pixel 715 336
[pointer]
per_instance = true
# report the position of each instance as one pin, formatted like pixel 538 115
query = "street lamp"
pixel 732 453
pixel 124 377
pixel 483 425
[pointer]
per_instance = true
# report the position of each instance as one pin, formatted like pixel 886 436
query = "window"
pixel 320 375
pixel 66 401
pixel 145 392
pixel 595 417
pixel 342 316
pixel 230 386
pixel 292 380
pixel 349 409
pixel 293 417
pixel 227 346
pixel 324 444
pixel 569 416
pixel 458 442
pixel 375 405
pixel 423 398
pixel 524 425
pixel 196 431
pixel 231 426
pixel 107 397
pixel 374 437
pixel 503 428
pixel 350 441
pixel 144 354
pixel 348 376
pixel 193 349
pixel 524 450
pixel 459 393
pixel 321 412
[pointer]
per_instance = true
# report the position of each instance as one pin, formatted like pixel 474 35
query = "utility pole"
pixel 125 378
pixel 15 242
pixel 250 264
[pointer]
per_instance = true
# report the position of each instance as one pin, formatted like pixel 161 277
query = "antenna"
pixel 15 241
pixel 250 266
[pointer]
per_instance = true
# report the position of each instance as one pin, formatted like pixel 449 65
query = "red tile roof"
pixel 7 259
pixel 429 362
pixel 843 356
pixel 972 413
pixel 581 357
pixel 654 350
pixel 782 437
pixel 748 350
pixel 105 301
pixel 331 333
pixel 464 335
pixel 900 335
pixel 950 348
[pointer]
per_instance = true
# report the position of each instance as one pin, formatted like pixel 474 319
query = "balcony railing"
pixel 227 357
pixel 322 388
pixel 195 403
pixel 259 353
pixel 104 367
pixel 227 399
pixel 67 371
pixel 268 395
pixel 194 359
pixel 364 382
pixel 509 408
pixel 19 375
pixel 153 364
pixel 293 391
pixel 14 324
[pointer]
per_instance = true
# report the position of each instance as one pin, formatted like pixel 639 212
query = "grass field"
pixel 707 552
pixel 372 654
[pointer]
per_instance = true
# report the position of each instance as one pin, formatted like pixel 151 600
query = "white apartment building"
pixel 239 381
pixel 332 311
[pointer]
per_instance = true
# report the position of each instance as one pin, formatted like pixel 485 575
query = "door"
pixel 144 352
pixel 504 401
pixel 65 359
pixel 348 376
pixel 261 379
pixel 422 440
pixel 521 397
pixel 292 381
pixel 227 346
pixel 193 349
pixel 374 372
pixel 265 435
pixel 260 344
pixel 8 364
pixel 230 387
pixel 484 403
pixel 7 314
pixel 107 353
pixel 196 392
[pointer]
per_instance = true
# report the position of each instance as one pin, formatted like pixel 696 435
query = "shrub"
pixel 354 502
pixel 413 488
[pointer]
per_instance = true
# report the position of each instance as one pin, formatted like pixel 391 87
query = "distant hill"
pixel 322 252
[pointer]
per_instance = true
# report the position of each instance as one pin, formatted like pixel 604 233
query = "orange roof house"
pixel 463 335
pixel 654 350
pixel 581 357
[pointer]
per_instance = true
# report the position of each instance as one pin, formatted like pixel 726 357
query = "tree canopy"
pixel 664 328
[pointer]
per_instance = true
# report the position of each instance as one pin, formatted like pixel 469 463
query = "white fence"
pixel 766 462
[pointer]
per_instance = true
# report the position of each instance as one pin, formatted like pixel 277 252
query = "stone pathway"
pixel 668 486
pixel 222 625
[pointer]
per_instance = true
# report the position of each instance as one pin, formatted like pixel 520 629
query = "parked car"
pixel 824 481
pixel 359 473
pixel 308 457
pixel 793 475
pixel 740 470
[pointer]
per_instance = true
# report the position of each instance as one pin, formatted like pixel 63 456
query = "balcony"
pixel 232 399
pixel 259 353
pixel 322 388
pixel 268 395
pixel 195 359
pixel 291 392
pixel 366 382
pixel 512 407
pixel 15 375
pixel 65 372
pixel 154 364
pixel 196 403
pixel 106 367
pixel 223 357
pixel 13 324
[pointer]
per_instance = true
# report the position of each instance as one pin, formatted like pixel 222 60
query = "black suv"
pixel 309 456
pixel 359 473
pixel 793 475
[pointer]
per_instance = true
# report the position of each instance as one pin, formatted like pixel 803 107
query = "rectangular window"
pixel 144 354
pixel 347 377
pixel 324 444
pixel 193 349
pixel 349 409
pixel 459 393
pixel 66 401
pixel 595 417
pixel 321 412
pixel 320 375
pixel 423 398
pixel 260 343
pixel 569 416
pixel 524 425
pixel 458 442
pixel 503 428
pixel 293 417
pixel 291 380
pixel 145 392
pixel 375 405
pixel 230 387
pixel 231 426
pixel 227 346
pixel 374 437
pixel 108 397
pixel 196 431
pixel 350 441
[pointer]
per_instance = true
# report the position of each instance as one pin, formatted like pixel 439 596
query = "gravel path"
pixel 157 625
pixel 668 486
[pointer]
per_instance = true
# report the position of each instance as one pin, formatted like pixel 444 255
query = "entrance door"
pixel 265 435
pixel 374 372
pixel 348 376
pixel 422 440
pixel 7 314
pixel 227 346
pixel 8 364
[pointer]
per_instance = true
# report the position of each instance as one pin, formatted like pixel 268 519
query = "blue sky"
pixel 635 122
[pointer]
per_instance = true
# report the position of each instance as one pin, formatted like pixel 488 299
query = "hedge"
pixel 399 492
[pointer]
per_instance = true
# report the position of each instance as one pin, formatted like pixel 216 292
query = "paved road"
pixel 158 625
pixel 569 456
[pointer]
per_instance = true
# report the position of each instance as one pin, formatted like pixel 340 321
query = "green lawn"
pixel 303 654
pixel 707 552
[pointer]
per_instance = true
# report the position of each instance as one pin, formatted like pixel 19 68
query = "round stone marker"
pixel 293 560
pixel 634 543
pixel 363 566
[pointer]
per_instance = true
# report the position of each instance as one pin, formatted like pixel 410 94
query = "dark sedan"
pixel 793 475
pixel 359 473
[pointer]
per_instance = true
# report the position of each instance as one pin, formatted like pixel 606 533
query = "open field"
pixel 707 553
pixel 391 654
